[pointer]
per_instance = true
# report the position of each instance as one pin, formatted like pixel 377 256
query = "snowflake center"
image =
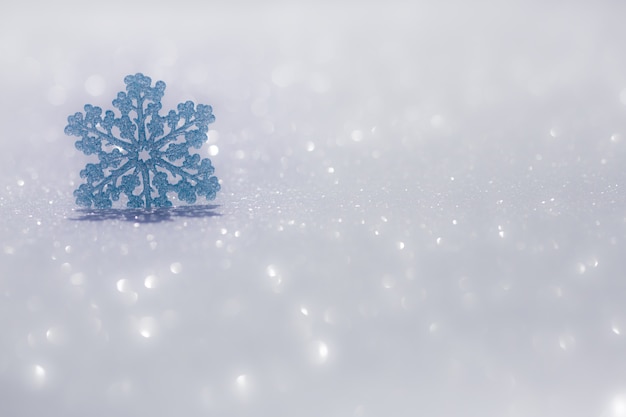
pixel 144 155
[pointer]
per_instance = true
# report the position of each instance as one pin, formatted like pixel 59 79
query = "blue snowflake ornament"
pixel 143 154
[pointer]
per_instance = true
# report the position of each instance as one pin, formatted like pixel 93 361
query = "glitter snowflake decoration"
pixel 142 154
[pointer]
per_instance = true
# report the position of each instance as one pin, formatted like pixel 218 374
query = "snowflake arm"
pixel 135 151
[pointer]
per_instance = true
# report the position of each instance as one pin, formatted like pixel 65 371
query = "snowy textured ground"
pixel 422 213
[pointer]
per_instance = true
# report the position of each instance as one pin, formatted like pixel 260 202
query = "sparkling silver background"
pixel 422 213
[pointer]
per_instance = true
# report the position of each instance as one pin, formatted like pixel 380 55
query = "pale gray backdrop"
pixel 422 212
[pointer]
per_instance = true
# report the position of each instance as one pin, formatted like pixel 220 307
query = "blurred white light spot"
pixel 213 136
pixel 359 411
pixel 318 352
pixel 464 284
pixel 147 327
pixel 566 342
pixel 77 279
pixel 39 371
pixel 310 146
pixel 96 325
pixel 275 279
pixel 400 245
pixel 176 268
pixel 437 121
pixel 39 374
pixel 555 131
pixel 57 95
pixel 150 281
pixel 271 271
pixel 356 135
pixel 581 268
pixel 322 351
pixel 94 85
pixel 615 329
pixel 284 75
pixel 469 300
pixel 214 150
pixel 622 96
pixel 276 284
pixel 244 387
pixel 123 285
pixel 304 311
pixel 242 381
pixel 330 316
pixel 619 406
pixel 388 282
pixel 438 240
pixel 56 335
pixel 433 327
pixel 616 138
pixel 331 170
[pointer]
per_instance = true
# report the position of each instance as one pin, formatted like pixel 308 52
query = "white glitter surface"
pixel 422 213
